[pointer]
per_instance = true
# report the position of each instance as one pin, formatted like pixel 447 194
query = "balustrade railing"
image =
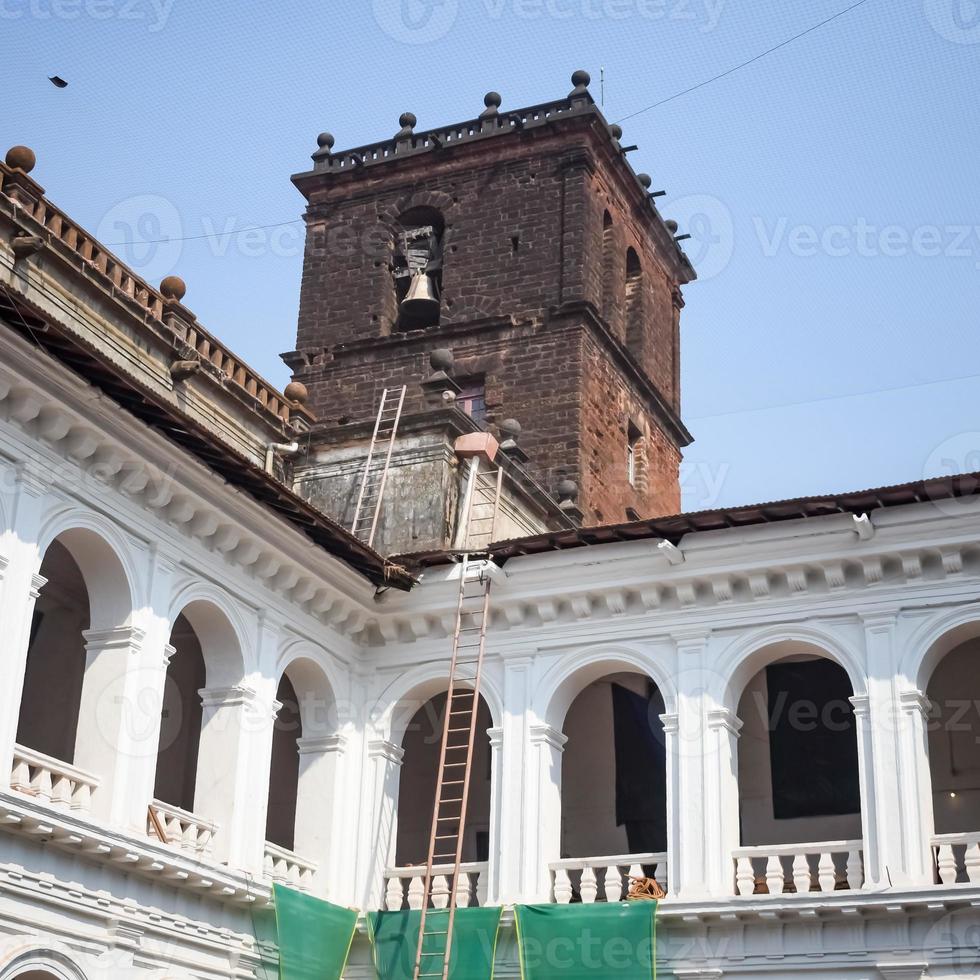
pixel 180 828
pixel 786 869
pixel 287 868
pixel 603 879
pixel 956 858
pixel 405 887
pixel 51 780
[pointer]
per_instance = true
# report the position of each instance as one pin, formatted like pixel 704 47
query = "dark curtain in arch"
pixel 641 768
pixel 812 740
pixel 280 822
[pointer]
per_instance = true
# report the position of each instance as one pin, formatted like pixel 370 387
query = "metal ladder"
pixel 458 737
pixel 375 474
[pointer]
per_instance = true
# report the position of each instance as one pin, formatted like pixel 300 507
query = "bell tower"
pixel 521 253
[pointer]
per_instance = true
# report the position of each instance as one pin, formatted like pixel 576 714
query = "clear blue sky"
pixel 831 187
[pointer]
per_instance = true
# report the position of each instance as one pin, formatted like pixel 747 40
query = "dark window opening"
pixel 634 440
pixel 634 301
pixel 472 398
pixel 812 740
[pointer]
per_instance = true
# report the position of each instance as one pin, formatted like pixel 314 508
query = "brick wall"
pixel 532 302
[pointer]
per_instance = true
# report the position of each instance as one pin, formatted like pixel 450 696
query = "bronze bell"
pixel 420 301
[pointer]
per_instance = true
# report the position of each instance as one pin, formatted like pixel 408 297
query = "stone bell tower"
pixel 523 249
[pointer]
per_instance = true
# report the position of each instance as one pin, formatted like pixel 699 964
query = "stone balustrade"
pixel 51 780
pixel 181 829
pixel 287 868
pixel 404 887
pixel 786 869
pixel 124 282
pixel 956 858
pixel 581 877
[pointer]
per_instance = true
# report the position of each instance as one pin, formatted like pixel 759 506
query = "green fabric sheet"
pixel 602 939
pixel 313 936
pixel 394 936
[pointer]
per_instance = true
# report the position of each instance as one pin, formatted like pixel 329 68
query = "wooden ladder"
pixel 377 464
pixel 456 753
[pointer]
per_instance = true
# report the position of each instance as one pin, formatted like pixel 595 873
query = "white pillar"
pixel 689 858
pixel 20 585
pixel 543 817
pixel 318 809
pixel 916 785
pixel 234 758
pixel 516 860
pixel 721 801
pixel 379 820
pixel 882 806
pixel 492 884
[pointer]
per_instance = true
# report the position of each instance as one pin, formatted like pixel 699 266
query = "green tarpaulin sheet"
pixel 602 939
pixel 313 936
pixel 395 936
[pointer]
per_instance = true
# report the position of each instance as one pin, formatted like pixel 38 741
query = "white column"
pixel 492 884
pixel 318 801
pixel 674 814
pixel 379 820
pixel 916 785
pixel 721 801
pixel 882 807
pixel 20 586
pixel 543 817
pixel 234 758
pixel 516 858
pixel 109 739
pixel 689 857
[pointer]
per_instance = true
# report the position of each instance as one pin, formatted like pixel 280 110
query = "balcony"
pixel 956 858
pixel 787 869
pixel 579 878
pixel 284 867
pixel 52 781
pixel 405 886
pixel 180 829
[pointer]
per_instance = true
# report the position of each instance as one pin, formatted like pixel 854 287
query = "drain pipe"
pixel 283 448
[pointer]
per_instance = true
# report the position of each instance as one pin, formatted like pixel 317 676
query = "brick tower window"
pixel 608 272
pixel 417 268
pixel 634 454
pixel 634 301
pixel 472 398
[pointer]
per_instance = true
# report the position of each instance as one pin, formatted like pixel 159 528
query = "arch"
pixel 798 759
pixel 633 302
pixel 104 559
pixel 316 684
pixel 569 676
pixel 750 653
pixel 418 779
pixel 608 292
pixel 219 629
pixel 405 695
pixel 614 769
pixel 934 639
pixel 41 964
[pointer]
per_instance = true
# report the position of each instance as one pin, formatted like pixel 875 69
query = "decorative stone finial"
pixel 21 158
pixel 671 226
pixel 442 359
pixel 296 392
pixel 567 490
pixel 645 181
pixel 173 287
pixel 580 79
pixel 407 122
pixel 510 429
pixel 617 131
pixel 492 102
pixel 325 141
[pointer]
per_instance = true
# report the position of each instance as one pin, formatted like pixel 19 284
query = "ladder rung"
pixel 457 800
